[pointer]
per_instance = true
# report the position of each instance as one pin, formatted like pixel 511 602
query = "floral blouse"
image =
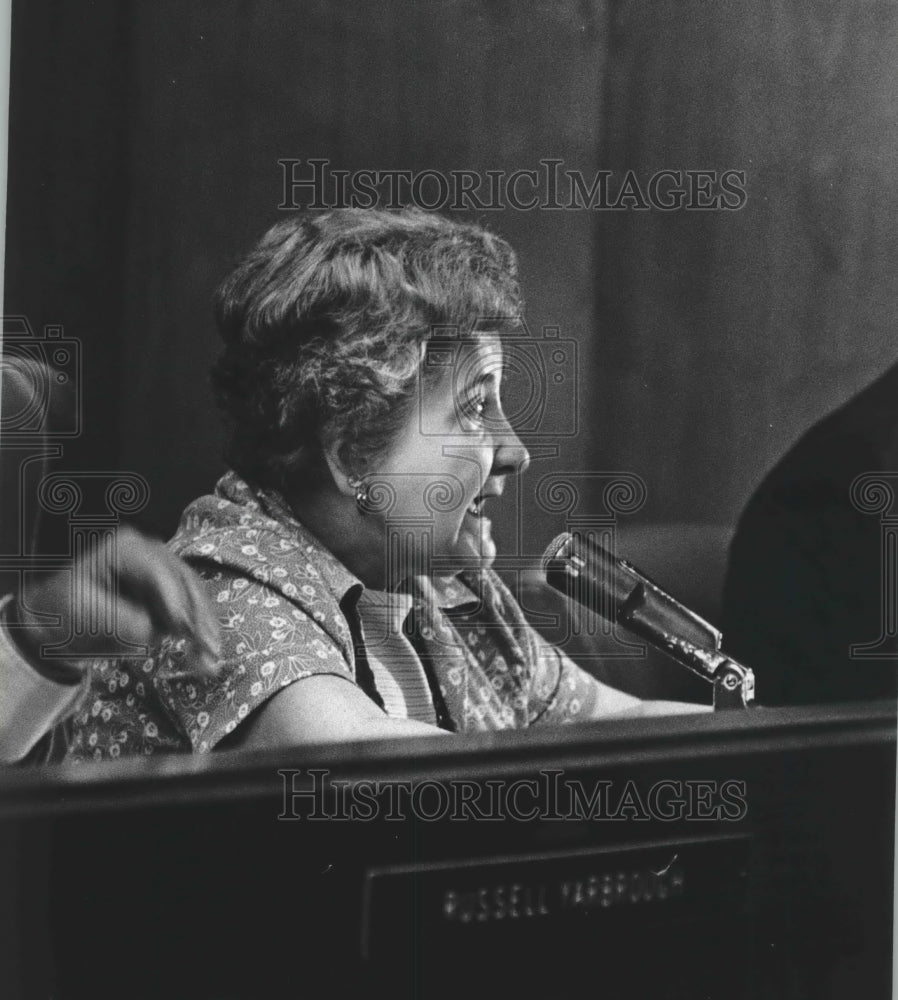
pixel 287 610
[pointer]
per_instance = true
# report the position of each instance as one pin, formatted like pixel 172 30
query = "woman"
pixel 348 551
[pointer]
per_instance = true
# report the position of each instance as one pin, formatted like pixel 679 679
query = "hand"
pixel 156 594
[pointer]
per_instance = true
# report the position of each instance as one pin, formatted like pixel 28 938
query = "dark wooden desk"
pixel 740 855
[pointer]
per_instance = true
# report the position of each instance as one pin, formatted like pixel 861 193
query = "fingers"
pixel 153 583
pixel 149 590
pixel 146 574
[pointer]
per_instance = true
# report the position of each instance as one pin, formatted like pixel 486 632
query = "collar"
pixel 271 504
pixel 393 607
pixel 452 594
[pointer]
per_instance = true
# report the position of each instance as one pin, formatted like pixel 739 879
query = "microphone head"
pixel 558 548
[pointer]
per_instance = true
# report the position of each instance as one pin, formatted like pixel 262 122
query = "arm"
pixel 286 674
pixel 657 707
pixel 31 704
pixel 567 693
pixel 323 708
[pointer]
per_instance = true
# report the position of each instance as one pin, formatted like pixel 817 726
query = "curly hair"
pixel 325 323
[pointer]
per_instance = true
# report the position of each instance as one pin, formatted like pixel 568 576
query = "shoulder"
pixel 859 436
pixel 264 569
pixel 231 528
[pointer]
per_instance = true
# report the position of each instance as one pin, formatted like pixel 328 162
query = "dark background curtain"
pixel 144 150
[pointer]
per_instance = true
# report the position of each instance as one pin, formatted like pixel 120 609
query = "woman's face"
pixel 450 461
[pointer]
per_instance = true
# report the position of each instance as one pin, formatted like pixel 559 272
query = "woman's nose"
pixel 512 458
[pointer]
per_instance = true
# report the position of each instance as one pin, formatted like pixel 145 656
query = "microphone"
pixel 612 588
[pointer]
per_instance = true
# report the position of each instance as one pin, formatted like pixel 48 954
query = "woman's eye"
pixel 475 407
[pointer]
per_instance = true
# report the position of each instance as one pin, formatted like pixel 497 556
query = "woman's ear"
pixel 342 473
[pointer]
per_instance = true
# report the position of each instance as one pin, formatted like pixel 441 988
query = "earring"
pixel 361 493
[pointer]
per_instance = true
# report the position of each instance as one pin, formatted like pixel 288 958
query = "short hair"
pixel 324 324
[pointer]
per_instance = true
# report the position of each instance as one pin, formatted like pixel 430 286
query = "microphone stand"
pixel 734 684
pixel 628 597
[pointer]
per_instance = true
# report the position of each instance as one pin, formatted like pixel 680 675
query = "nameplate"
pixel 492 902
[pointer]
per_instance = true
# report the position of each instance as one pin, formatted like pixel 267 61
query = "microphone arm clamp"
pixel 734 684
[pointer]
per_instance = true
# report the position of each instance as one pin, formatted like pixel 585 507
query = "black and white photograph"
pixel 448 499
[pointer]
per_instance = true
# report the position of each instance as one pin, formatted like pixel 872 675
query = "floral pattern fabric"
pixel 287 611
